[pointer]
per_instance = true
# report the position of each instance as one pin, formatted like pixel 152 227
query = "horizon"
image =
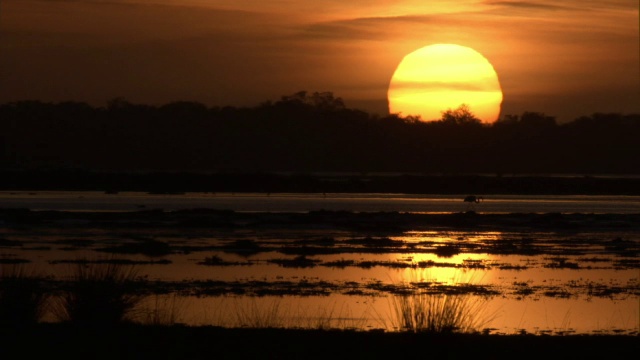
pixel 361 163
pixel 106 105
pixel 546 54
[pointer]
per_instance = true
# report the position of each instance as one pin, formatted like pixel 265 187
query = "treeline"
pixel 272 183
pixel 307 132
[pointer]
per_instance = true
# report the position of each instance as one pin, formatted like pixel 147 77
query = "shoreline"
pixel 154 342
pixel 303 182
pixel 369 221
pixel 371 232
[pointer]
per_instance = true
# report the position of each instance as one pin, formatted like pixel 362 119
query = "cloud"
pixel 381 28
pixel 535 8
pixel 96 23
pixel 529 5
pixel 242 52
pixel 477 85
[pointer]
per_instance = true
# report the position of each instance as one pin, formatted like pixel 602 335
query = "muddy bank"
pixel 215 253
pixel 363 221
pixel 180 342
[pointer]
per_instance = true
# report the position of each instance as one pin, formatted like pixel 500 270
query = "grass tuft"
pixel 439 313
pixel 445 312
pixel 23 297
pixel 251 314
pixel 161 310
pixel 99 294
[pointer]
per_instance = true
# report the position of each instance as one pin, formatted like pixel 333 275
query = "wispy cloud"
pixel 536 6
pixel 368 28
pixel 221 50
pixel 476 85
pixel 529 5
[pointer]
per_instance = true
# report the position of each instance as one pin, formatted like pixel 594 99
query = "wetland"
pixel 317 267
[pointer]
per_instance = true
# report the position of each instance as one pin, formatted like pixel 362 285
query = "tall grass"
pixel 439 313
pixel 281 312
pixel 440 310
pixel 98 294
pixel 329 317
pixel 22 297
pixel 162 310
pixel 253 315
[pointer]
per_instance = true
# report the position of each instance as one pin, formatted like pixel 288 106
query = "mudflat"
pixel 140 341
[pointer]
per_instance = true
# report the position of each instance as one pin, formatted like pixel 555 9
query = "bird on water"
pixel 472 200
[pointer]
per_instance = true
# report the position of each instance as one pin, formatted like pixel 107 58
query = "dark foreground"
pixel 365 221
pixel 181 342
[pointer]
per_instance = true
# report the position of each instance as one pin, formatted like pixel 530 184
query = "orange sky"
pixel 563 58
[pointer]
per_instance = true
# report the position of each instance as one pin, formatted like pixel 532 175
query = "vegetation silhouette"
pixel 98 295
pixel 307 132
pixel 460 116
pixel 22 297
pixel 439 314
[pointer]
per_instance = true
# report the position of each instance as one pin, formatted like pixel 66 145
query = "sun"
pixel 440 77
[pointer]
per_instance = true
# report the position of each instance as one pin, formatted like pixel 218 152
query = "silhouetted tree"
pixel 528 119
pixel 307 132
pixel 118 103
pixel 536 119
pixel 184 108
pixel 319 100
pixel 462 115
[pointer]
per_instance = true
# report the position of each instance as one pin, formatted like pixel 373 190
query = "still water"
pixel 286 202
pixel 572 283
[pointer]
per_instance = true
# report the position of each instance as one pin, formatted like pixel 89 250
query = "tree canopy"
pixel 308 132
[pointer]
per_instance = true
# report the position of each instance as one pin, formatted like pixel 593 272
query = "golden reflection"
pixel 450 263
pixel 448 236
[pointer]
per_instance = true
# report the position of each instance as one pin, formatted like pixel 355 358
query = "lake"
pixel 286 202
pixel 310 260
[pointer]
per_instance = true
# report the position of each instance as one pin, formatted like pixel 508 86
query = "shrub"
pixel 439 313
pixel 161 310
pixel 99 294
pixel 22 297
pixel 441 309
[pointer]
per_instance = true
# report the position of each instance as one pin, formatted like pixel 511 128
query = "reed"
pixel 23 297
pixel 251 314
pixel 444 310
pixel 330 318
pixel 439 313
pixel 98 294
pixel 161 310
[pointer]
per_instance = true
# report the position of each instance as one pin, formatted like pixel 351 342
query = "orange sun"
pixel 440 77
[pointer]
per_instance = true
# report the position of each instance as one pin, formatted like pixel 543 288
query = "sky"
pixel 562 58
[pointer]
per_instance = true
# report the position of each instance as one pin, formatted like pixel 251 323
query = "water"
pixel 574 282
pixel 287 202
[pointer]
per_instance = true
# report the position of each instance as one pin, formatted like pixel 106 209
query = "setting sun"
pixel 439 77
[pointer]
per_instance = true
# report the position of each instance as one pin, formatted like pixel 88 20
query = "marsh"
pixel 567 266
